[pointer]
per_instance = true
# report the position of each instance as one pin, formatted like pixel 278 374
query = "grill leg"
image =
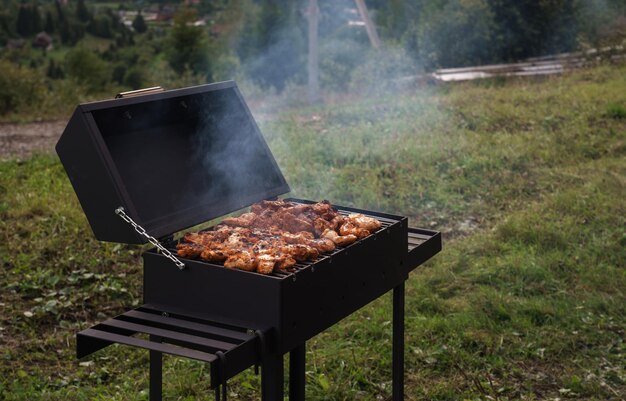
pixel 272 377
pixel 156 373
pixel 297 359
pixel 398 344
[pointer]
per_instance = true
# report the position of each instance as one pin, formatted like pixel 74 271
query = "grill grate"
pixel 386 222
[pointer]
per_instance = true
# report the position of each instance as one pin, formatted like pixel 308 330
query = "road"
pixel 20 141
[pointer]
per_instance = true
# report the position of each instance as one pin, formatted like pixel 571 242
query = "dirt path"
pixel 19 141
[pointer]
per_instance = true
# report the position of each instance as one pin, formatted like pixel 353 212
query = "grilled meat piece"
pixel 189 250
pixel 213 255
pixel 300 252
pixel 298 238
pixel 367 223
pixel 349 228
pixel 340 240
pixel 245 220
pixel 322 244
pixel 243 260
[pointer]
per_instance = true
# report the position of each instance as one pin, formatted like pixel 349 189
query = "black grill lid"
pixel 172 159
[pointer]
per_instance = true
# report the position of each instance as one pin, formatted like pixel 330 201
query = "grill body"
pixel 176 159
pixel 293 307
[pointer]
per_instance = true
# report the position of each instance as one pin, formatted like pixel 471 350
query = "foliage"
pixel 101 25
pixel 134 78
pixel 82 13
pixel 86 67
pixel 20 87
pixel 452 33
pixel 381 71
pixel 139 24
pixel 338 60
pixel 188 45
pixel 272 51
pixel 28 20
pixel 459 35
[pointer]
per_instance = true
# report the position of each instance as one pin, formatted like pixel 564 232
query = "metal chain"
pixel 142 231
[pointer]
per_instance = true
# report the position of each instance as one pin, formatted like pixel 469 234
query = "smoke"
pixel 236 165
pixel 273 72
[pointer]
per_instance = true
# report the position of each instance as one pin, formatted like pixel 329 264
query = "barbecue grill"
pixel 153 163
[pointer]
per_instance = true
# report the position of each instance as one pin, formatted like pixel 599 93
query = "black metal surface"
pixel 422 245
pixel 177 335
pixel 297 371
pixel 156 373
pixel 397 358
pixel 172 160
pixel 297 305
pixel 272 377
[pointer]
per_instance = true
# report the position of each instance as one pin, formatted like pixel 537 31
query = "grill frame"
pixel 296 306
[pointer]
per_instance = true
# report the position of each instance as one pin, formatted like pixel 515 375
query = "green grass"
pixel 526 177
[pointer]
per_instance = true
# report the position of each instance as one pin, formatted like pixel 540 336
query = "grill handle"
pixel 139 92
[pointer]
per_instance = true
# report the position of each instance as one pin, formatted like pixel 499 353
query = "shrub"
pixel 134 78
pixel 86 67
pixel 338 59
pixel 459 35
pixel 20 87
pixel 617 111
pixel 382 71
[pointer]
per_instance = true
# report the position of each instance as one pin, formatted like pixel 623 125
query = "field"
pixel 525 177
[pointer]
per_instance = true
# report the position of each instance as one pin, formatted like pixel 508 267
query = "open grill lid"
pixel 172 160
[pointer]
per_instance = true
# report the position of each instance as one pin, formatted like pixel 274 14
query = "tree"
pixel 134 78
pixel 60 12
pixel 37 24
pixel 101 26
pixel 49 24
pixel 139 24
pixel 85 66
pixel 82 12
pixel 460 34
pixel 54 71
pixel 24 24
pixel 188 45
pixel 275 52
pixel 528 28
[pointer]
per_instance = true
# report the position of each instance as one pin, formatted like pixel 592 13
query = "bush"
pixel 20 88
pixel 382 71
pixel 134 78
pixel 459 35
pixel 86 67
pixel 338 59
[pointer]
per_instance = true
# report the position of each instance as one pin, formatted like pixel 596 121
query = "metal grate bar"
pixel 187 339
pixel 186 324
pixel 150 345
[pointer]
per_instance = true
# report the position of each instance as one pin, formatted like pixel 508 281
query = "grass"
pixel 526 177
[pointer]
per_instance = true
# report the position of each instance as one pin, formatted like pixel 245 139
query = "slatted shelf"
pixel 227 349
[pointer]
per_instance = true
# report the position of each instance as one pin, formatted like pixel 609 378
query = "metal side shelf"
pixel 423 245
pixel 229 350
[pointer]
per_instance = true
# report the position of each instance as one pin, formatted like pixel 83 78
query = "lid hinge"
pixel 142 231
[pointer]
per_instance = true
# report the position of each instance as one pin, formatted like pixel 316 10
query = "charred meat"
pixel 276 235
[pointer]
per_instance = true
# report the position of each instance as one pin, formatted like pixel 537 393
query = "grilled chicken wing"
pixel 367 223
pixel 341 240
